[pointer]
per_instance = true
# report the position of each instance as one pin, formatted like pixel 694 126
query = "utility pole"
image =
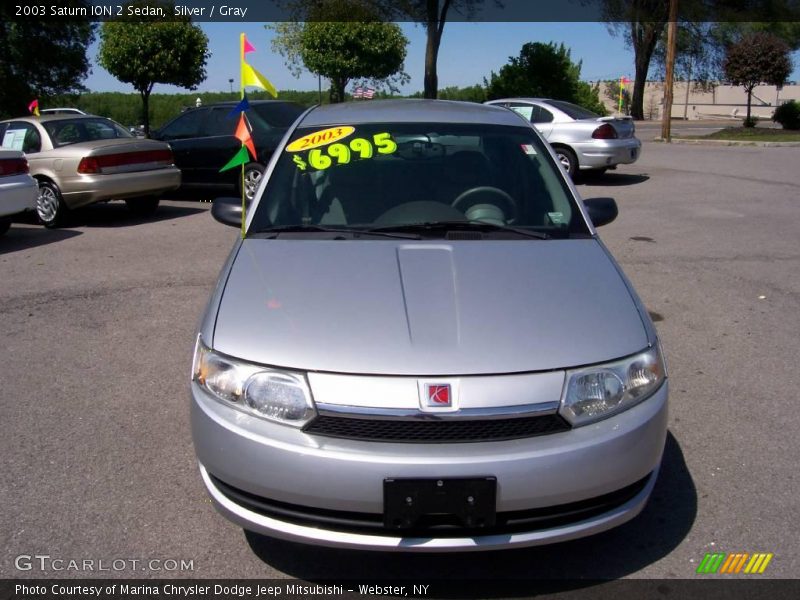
pixel 672 31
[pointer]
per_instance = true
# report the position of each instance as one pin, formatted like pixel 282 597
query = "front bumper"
pixel 81 190
pixel 294 469
pixel 599 154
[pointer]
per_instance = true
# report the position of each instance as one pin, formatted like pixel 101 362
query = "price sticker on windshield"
pixel 320 138
pixel 343 153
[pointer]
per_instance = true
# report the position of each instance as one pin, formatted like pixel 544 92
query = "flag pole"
pixel 241 97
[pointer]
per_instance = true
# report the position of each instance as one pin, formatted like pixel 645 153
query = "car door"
pixel 216 145
pixel 182 135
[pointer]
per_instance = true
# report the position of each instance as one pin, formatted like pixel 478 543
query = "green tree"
pixel 432 14
pixel 642 23
pixel 145 51
pixel 545 71
pixel 41 58
pixel 342 40
pixel 757 58
pixel 352 50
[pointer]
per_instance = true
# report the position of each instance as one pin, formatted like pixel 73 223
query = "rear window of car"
pixel 406 173
pixel 572 110
pixel 73 131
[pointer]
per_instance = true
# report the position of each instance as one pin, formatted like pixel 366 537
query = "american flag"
pixel 369 93
pixel 358 93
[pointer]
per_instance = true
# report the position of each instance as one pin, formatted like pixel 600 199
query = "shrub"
pixel 751 121
pixel 788 115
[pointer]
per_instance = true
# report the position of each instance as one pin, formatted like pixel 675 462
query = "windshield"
pixel 72 131
pixel 398 175
pixel 573 111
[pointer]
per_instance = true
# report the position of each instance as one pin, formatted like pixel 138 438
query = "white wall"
pixel 720 102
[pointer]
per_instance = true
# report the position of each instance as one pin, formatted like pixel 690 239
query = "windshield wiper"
pixel 462 226
pixel 356 233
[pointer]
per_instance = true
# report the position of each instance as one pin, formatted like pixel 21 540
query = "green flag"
pixel 241 158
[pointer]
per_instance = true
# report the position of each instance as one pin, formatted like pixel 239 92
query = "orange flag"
pixel 243 134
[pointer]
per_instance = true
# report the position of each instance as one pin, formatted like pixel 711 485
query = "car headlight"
pixel 600 391
pixel 276 395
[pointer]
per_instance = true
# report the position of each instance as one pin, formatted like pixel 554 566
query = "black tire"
pixel 568 160
pixel 143 207
pixel 4 225
pixel 252 176
pixel 51 209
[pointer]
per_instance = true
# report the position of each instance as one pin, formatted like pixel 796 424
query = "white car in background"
pixel 581 139
pixel 18 190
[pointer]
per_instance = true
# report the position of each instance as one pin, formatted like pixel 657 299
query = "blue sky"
pixel 469 52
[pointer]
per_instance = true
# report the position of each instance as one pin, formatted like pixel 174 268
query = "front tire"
pixel 51 209
pixel 252 177
pixel 4 225
pixel 143 207
pixel 567 159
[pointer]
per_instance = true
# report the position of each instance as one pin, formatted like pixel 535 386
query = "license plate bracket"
pixel 466 502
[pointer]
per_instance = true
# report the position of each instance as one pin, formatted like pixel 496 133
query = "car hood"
pixel 417 308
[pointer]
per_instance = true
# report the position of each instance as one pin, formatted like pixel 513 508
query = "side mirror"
pixel 227 211
pixel 601 210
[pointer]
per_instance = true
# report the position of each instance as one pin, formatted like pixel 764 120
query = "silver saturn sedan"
pixel 581 139
pixel 421 344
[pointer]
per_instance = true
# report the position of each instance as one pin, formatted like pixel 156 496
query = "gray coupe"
pixel 582 140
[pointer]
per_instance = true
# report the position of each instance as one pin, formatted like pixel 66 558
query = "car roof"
pixel 57 117
pixel 520 99
pixel 64 109
pixel 235 102
pixel 408 111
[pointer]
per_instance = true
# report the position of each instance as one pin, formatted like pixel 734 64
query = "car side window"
pixel 526 110
pixel 218 123
pixel 22 136
pixel 541 115
pixel 188 125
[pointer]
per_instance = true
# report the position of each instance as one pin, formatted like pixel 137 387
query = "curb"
pixel 730 143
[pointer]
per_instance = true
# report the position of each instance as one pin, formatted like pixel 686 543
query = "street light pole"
pixel 672 31
pixel 230 81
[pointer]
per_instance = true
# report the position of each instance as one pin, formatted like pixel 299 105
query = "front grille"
pixel 517 521
pixel 438 431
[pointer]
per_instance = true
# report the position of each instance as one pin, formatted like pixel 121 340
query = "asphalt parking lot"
pixel 98 319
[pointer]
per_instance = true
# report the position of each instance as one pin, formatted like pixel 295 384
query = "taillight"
pixel 89 164
pixel 95 164
pixel 13 166
pixel 605 132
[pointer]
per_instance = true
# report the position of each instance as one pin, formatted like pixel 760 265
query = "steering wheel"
pixel 486 194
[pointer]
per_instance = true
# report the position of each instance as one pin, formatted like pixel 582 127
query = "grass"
pixel 750 134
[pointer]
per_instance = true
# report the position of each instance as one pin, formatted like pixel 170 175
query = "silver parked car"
pixel 83 159
pixel 18 190
pixel 421 344
pixel 581 139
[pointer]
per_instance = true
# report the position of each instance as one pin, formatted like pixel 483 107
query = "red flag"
pixel 33 107
pixel 243 135
pixel 247 46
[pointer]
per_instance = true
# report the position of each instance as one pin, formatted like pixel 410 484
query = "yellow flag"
pixel 251 77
